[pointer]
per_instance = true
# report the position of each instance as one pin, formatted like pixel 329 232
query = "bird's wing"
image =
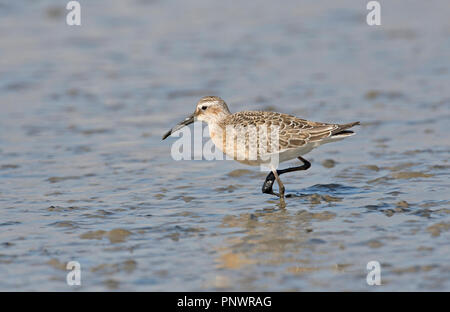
pixel 292 132
pixel 303 132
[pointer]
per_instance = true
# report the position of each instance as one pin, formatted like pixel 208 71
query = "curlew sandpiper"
pixel 239 136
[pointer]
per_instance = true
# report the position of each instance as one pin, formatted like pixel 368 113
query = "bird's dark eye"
pixel 204 107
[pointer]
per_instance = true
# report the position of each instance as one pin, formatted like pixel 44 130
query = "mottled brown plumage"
pixel 294 132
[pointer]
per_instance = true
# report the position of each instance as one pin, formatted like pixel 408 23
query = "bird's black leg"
pixel 267 187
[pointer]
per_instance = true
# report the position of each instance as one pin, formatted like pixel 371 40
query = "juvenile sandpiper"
pixel 295 136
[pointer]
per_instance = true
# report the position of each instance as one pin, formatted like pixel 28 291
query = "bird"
pixel 294 137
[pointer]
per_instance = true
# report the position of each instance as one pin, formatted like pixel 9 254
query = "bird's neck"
pixel 216 127
pixel 217 119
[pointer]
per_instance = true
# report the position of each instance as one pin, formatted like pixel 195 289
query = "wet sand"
pixel 85 176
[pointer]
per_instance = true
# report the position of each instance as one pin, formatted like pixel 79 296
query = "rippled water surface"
pixel 85 176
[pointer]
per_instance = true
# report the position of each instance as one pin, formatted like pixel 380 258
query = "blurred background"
pixel 84 175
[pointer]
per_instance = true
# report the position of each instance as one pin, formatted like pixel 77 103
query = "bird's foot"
pixel 268 189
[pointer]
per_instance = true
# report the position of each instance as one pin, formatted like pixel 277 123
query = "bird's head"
pixel 209 109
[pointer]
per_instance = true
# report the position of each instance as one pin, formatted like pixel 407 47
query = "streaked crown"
pixel 211 108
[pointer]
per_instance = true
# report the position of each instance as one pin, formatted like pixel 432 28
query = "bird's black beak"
pixel 180 125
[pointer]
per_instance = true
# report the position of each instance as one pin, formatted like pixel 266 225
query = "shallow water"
pixel 85 176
